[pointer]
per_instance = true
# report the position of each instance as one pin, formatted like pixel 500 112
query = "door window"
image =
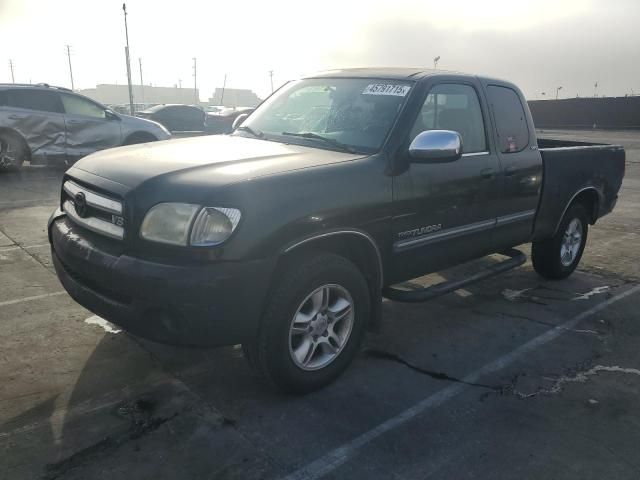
pixel 32 99
pixel 454 107
pixel 511 121
pixel 74 105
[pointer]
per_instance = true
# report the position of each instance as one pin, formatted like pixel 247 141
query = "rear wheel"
pixel 313 324
pixel 12 152
pixel 558 256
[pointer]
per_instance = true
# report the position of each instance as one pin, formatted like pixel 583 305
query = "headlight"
pixel 214 225
pixel 171 223
pixel 168 223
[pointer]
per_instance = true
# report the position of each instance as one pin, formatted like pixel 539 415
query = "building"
pixel 119 94
pixel 234 97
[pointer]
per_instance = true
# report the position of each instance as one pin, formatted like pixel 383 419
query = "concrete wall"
pixel 605 112
pixel 119 94
pixel 234 97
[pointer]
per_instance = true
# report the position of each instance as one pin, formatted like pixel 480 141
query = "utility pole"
pixel 141 82
pixel 271 77
pixel 558 91
pixel 70 69
pixel 13 80
pixel 126 54
pixel 595 90
pixel 224 84
pixel 435 62
pixel 195 80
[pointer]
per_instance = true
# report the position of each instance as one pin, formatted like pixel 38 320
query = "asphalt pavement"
pixel 514 377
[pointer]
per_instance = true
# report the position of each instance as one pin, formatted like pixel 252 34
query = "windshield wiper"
pixel 330 141
pixel 255 133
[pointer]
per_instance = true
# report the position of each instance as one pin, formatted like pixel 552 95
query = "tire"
pixel 12 152
pixel 557 257
pixel 329 331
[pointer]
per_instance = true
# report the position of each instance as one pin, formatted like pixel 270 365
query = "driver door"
pixel 88 127
pixel 444 211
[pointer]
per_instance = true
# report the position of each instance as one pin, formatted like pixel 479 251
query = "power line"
pixel 126 54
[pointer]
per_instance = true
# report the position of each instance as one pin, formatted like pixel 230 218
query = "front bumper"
pixel 205 305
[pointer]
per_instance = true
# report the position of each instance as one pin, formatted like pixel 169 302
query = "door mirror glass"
pixel 239 119
pixel 436 146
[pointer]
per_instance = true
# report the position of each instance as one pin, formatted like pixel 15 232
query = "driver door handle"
pixel 74 122
pixel 510 171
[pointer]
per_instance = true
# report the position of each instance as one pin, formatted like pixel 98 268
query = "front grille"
pixel 93 211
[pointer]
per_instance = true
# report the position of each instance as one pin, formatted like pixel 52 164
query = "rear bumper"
pixel 204 305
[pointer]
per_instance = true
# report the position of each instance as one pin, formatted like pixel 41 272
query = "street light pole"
pixel 435 62
pixel 141 82
pixel 558 91
pixel 271 78
pixel 70 69
pixel 126 54
pixel 224 84
pixel 195 81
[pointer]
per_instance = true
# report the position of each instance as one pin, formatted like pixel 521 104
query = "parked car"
pixel 285 235
pixel 48 125
pixel 222 122
pixel 214 108
pixel 177 117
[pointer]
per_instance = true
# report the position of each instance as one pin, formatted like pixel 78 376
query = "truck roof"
pixel 399 73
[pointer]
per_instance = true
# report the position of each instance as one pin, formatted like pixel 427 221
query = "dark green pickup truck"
pixel 285 235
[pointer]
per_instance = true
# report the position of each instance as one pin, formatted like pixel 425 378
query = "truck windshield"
pixel 352 114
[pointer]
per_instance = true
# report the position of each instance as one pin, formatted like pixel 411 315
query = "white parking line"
pixel 29 299
pixel 21 247
pixel 335 458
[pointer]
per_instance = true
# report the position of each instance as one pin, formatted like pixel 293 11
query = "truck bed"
pixel 571 167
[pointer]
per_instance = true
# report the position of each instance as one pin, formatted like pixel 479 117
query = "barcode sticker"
pixel 386 89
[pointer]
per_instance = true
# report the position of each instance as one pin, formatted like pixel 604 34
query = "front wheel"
pixel 558 256
pixel 12 152
pixel 313 324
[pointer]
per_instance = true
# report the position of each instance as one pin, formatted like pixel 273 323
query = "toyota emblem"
pixel 80 202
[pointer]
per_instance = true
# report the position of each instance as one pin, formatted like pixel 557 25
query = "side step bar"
pixel 516 258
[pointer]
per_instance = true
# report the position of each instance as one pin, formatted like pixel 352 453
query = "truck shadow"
pixel 445 338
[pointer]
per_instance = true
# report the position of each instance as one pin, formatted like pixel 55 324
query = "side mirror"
pixel 109 115
pixel 436 146
pixel 239 119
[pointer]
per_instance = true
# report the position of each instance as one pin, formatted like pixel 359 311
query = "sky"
pixel 538 44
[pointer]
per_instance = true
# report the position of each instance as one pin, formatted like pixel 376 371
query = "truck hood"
pixel 215 160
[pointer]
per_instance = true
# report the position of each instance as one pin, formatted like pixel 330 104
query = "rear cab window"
pixel 32 99
pixel 510 117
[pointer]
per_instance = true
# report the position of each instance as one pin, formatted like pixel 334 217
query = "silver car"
pixel 52 125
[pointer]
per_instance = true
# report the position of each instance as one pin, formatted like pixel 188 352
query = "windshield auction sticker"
pixel 386 89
